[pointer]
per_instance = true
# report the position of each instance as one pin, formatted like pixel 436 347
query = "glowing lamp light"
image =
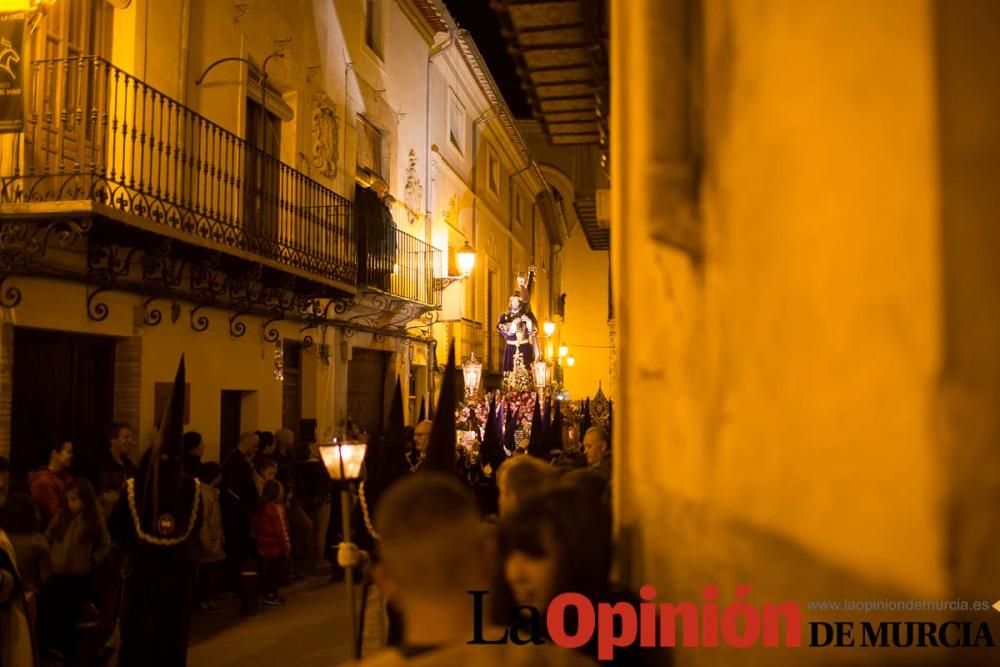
pixel 549 328
pixel 570 361
pixel 343 459
pixel 472 372
pixel 541 372
pixel 563 351
pixel 466 258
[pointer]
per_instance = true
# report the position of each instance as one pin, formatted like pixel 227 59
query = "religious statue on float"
pixel 519 327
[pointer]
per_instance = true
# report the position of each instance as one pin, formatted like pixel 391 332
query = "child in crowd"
pixel 265 470
pixel 22 520
pixel 209 551
pixel 273 543
pixel 109 490
pixel 79 541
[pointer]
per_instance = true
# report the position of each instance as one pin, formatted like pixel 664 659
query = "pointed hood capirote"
pixel 536 440
pixel 162 505
pixel 553 432
pixel 394 464
pixel 509 428
pixel 442 449
pixel 395 423
pixel 387 464
pixel 492 451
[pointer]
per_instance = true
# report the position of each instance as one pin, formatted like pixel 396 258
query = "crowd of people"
pixel 431 533
pixel 98 563
pixel 432 539
pixel 265 509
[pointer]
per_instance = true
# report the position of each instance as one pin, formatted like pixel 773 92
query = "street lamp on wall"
pixel 465 258
pixel 549 328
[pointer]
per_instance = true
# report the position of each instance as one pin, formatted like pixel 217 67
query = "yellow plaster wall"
pixel 776 410
pixel 585 328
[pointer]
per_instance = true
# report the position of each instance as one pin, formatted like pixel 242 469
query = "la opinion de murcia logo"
pixel 8 56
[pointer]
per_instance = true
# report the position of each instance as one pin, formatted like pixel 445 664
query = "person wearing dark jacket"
pixel 238 499
pixel 117 458
pixel 194 449
pixel 299 523
pixel 312 488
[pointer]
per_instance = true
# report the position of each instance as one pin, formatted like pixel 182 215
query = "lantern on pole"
pixel 343 462
pixel 541 372
pixel 472 373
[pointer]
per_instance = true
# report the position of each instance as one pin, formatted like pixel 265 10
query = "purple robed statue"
pixel 519 327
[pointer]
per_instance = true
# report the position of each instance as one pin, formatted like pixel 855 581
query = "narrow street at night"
pixel 499 333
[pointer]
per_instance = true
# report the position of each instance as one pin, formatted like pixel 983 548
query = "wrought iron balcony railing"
pixel 389 259
pixel 95 132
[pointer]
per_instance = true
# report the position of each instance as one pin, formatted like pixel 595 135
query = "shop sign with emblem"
pixel 12 71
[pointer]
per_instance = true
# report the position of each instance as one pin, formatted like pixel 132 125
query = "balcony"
pixel 396 263
pixel 98 136
pixel 124 166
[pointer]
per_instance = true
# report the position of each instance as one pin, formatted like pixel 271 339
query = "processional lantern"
pixel 541 372
pixel 472 372
pixel 343 459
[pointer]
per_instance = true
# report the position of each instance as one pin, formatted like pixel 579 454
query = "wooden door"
pixel 291 389
pixel 230 419
pixel 366 389
pixel 262 176
pixel 66 137
pixel 63 388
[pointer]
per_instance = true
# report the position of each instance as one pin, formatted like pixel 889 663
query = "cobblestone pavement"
pixel 310 630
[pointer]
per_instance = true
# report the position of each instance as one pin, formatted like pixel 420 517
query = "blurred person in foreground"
pixel 16 645
pixel 433 550
pixel 519 476
pixel 558 540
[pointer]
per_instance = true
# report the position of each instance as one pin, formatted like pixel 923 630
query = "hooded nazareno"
pixel 157 522
pixel 441 451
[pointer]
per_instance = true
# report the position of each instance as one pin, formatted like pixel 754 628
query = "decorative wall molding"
pixel 413 192
pixel 325 135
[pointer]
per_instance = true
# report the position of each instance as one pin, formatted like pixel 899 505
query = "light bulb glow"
pixel 466 259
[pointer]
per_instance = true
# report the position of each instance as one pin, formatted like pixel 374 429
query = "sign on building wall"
pixel 11 71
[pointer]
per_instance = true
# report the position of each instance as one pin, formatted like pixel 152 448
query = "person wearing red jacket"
pixel 48 484
pixel 273 543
